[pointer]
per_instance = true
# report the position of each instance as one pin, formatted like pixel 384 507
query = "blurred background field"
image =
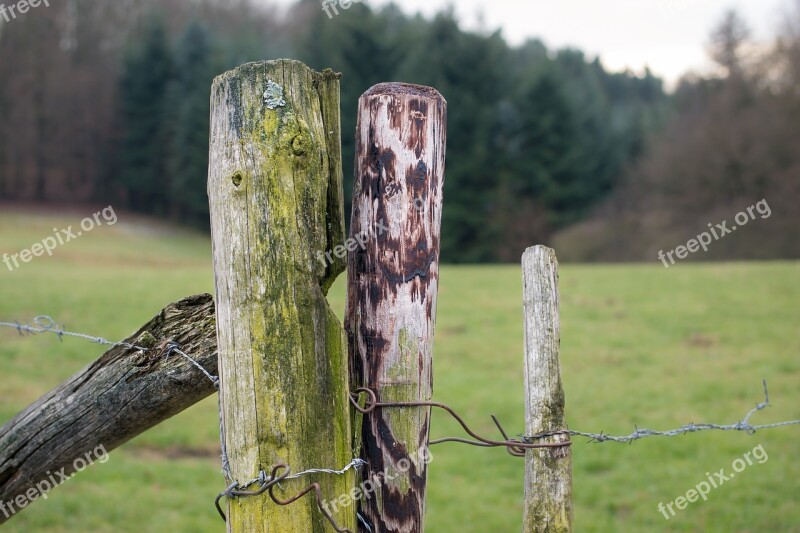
pixel 641 345
pixel 584 143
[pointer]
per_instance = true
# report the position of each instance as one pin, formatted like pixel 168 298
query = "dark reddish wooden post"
pixel 393 280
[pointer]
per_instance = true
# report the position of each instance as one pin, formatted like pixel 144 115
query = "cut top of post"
pixel 397 88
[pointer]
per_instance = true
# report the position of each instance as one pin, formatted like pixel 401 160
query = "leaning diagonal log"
pixel 119 396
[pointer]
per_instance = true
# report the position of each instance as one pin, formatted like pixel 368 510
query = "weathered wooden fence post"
pixel 275 193
pixel 393 282
pixel 548 471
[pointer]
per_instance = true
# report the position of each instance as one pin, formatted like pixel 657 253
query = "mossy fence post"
pixel 275 194
pixel 548 471
pixel 393 279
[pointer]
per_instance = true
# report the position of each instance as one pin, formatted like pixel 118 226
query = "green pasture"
pixel 641 345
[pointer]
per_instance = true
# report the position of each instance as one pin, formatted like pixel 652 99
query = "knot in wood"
pixel 299 144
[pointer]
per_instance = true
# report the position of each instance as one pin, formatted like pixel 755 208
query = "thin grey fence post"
pixel 548 471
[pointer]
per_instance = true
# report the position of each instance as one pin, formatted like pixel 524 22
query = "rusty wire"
pixel 515 447
pixel 281 472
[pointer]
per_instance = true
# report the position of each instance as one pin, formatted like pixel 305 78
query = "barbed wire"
pixel 45 324
pixel 742 425
pixel 282 472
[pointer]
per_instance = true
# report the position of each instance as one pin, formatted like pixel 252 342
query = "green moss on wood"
pixel 285 367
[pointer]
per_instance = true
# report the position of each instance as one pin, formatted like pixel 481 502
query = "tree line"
pixel 732 140
pixel 109 102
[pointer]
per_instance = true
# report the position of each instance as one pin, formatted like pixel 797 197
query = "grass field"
pixel 640 345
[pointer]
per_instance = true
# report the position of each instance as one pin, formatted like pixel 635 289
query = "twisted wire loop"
pixel 282 472
pixel 45 324
pixel 742 425
pixel 515 447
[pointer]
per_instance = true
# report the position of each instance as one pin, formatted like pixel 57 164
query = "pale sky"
pixel 670 36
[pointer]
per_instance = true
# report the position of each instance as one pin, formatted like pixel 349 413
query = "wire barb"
pixel 45 324
pixel 742 425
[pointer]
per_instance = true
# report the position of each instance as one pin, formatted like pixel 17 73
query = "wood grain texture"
pixel 393 282
pixel 275 195
pixel 548 471
pixel 119 396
